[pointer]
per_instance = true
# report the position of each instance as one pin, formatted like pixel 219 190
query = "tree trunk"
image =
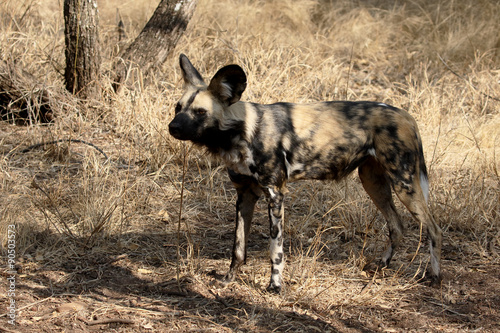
pixel 160 35
pixel 83 57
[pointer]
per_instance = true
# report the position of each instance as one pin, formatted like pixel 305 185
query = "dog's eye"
pixel 178 108
pixel 200 112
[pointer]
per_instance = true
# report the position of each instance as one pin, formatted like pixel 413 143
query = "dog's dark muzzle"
pixel 175 129
pixel 179 127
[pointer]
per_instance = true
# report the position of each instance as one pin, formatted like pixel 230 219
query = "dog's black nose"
pixel 174 129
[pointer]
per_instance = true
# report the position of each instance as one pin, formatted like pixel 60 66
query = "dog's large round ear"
pixel 189 73
pixel 228 84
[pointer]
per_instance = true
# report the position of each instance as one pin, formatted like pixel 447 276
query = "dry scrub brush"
pixel 438 59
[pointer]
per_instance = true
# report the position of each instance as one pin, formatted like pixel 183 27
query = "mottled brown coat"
pixel 266 146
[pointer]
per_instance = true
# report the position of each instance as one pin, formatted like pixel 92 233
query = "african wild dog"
pixel 266 146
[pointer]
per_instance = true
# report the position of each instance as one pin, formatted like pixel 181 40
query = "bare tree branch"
pixel 160 35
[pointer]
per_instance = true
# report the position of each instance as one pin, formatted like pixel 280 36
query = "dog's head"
pixel 200 113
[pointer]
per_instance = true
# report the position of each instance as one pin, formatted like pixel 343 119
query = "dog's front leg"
pixel 276 215
pixel 249 192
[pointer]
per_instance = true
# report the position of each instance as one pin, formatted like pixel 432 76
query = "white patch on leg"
pixel 372 152
pixel 424 185
pixel 434 261
pixel 240 237
pixel 387 256
pixel 276 278
pixel 277 256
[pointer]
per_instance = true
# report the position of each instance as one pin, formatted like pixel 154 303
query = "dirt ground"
pixel 134 291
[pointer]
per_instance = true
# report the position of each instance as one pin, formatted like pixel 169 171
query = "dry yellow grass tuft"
pixel 106 232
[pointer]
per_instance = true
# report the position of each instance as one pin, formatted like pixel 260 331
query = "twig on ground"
pixel 108 321
pixel 65 140
pixel 445 308
pixel 220 299
pixel 30 305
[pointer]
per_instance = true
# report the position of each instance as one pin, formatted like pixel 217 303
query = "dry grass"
pixel 106 233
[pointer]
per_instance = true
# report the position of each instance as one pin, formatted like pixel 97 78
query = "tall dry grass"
pixel 437 59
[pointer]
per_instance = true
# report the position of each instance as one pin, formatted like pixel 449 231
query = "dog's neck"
pixel 236 130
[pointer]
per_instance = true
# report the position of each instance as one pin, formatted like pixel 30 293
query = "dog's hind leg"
pixel 415 201
pixel 378 186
